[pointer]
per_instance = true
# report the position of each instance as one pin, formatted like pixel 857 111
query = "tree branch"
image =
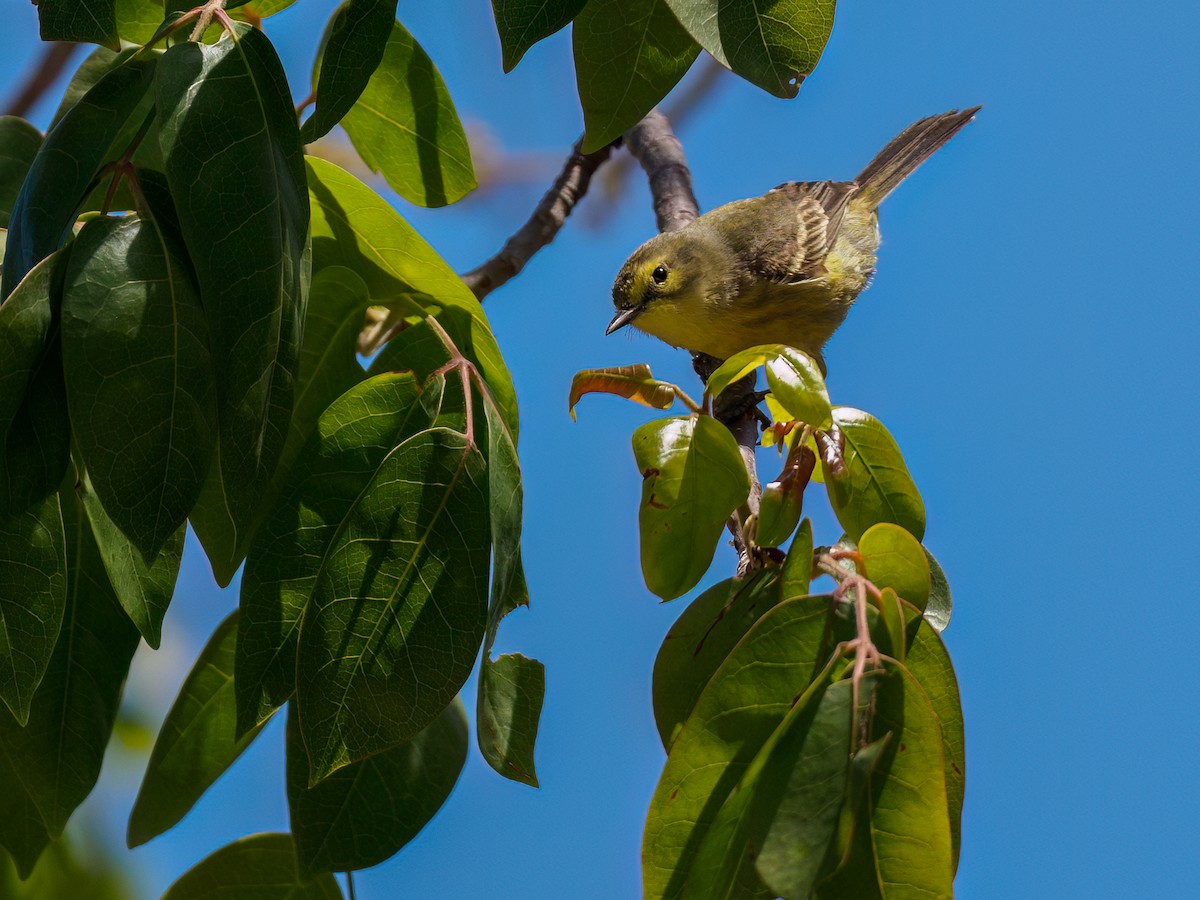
pixel 54 59
pixel 542 227
pixel 654 145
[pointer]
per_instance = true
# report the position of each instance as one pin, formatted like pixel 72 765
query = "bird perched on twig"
pixel 781 268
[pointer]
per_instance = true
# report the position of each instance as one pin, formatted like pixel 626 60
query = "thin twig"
pixel 54 59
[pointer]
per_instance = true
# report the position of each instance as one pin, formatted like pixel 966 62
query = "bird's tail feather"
pixel 909 149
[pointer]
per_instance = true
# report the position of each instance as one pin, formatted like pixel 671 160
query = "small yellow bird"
pixel 781 268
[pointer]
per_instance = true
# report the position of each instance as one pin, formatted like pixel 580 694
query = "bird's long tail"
pixel 909 149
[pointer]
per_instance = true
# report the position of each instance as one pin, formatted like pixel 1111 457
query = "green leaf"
pixel 138 20
pixel 22 832
pixel 365 812
pixel 259 867
pixel 67 164
pixel 356 37
pixel 509 706
pixel 37 447
pixel 226 112
pixel 929 663
pixel 143 590
pixel 743 704
pixel 693 479
pixel 397 617
pixel 329 364
pixel 196 743
pixel 261 8
pixel 774 45
pixel 70 20
pixel 58 753
pixel 404 126
pixel 937 611
pixel 794 379
pixel 874 485
pixel 33 598
pixel 797 568
pixel 91 70
pixel 26 319
pixel 910 831
pixel 19 143
pixel 138 375
pixel 893 558
pixel 700 640
pixel 354 437
pixel 782 501
pixel 522 23
pixel 628 56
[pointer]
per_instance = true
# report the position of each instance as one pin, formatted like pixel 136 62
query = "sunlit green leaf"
pixel 773 45
pixel 137 20
pixel 794 379
pixel 875 485
pixel 58 752
pixel 404 126
pixel 937 611
pixel 797 568
pixel 355 40
pixel 354 437
pixel 396 620
pixel 698 642
pixel 65 166
pixel 70 20
pixel 19 143
pixel 893 558
pixel 741 707
pixel 226 110
pixel 196 743
pixel 693 479
pixel 362 814
pixel 628 56
pixel 33 598
pixel 259 867
pixel 522 23
pixel 782 501
pixel 138 374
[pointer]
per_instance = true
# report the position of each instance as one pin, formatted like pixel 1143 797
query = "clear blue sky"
pixel 1029 340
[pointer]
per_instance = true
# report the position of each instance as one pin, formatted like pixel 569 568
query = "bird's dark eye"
pixel 659 274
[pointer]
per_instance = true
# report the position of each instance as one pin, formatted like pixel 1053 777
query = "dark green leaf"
pixel 522 23
pixel 353 226
pixel 66 165
pixel 700 640
pixel 19 143
pixel 37 447
pixel 910 831
pixel 794 379
pixel 356 37
pixel 138 374
pixel 226 111
pixel 354 437
pixel 693 479
pixel 893 558
pixel 774 45
pixel 57 754
pixel 397 617
pixel 937 611
pixel 144 591
pixel 365 812
pixel 33 597
pixel 22 832
pixel 69 20
pixel 196 743
pixel 743 704
pixel 259 867
pixel 404 126
pixel 91 70
pixel 929 664
pixel 628 56
pixel 26 319
pixel 875 485
pixel 138 20
pixel 797 568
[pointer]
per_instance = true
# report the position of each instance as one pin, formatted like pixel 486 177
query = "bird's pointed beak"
pixel 623 318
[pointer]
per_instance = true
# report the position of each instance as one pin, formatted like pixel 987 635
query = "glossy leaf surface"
pixel 70 20
pixel 692 479
pixel 259 867
pixel 365 812
pixel 894 559
pixel 941 604
pixel 25 330
pixel 634 382
pixel 522 23
pixel 772 45
pixel 875 485
pixel 795 380
pixel 19 143
pixel 197 741
pixel 404 127
pixel 628 56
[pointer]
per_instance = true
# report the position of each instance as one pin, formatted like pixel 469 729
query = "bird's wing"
pixel 807 216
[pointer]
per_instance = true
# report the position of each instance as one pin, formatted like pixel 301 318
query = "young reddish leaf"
pixel 633 382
